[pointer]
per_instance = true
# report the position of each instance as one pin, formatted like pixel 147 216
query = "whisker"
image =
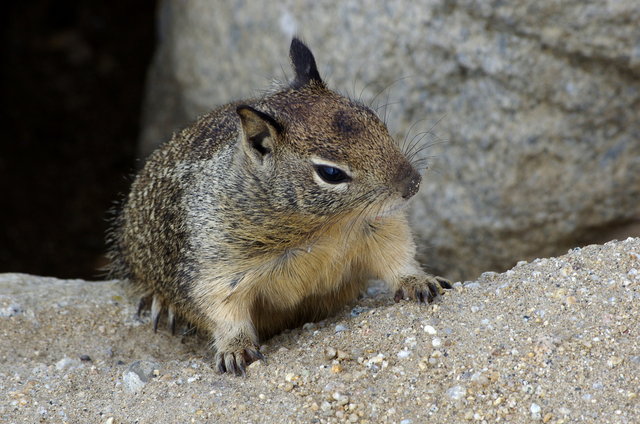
pixel 436 170
pixel 427 146
pixel 406 135
pixel 419 148
pixel 284 73
pixel 362 91
pixel 413 143
pixel 387 87
pixel 385 105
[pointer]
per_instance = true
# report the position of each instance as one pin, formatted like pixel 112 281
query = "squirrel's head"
pixel 320 153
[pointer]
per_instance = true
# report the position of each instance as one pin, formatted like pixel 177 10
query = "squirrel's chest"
pixel 314 269
pixel 327 264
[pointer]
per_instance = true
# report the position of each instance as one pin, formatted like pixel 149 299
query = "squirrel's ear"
pixel 304 64
pixel 259 131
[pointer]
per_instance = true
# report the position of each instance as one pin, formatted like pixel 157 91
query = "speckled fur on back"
pixel 268 213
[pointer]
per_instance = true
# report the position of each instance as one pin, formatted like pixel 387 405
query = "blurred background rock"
pixel 531 111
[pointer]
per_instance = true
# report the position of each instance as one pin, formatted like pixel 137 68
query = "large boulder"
pixel 531 109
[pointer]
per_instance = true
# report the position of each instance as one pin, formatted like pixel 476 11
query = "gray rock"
pixel 537 104
pixel 132 381
pixel 340 328
pixel 138 374
pixel 10 310
pixel 67 364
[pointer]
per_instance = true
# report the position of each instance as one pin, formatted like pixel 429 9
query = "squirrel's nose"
pixel 408 181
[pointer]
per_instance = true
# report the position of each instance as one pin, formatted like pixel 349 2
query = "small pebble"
pixel 436 342
pixel 424 363
pixel 67 363
pixel 138 374
pixel 339 328
pixel 429 330
pixel 85 358
pixel 457 392
pixel 288 387
pixel 11 310
pixel 291 377
pixel 342 355
pixel 330 353
pixel 410 342
pixel 341 399
pixel 404 353
pixel 132 382
pixel 535 411
pixel 255 365
pixel 614 361
pixel 358 310
pixel 377 359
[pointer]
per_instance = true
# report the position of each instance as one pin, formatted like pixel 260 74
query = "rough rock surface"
pixel 538 105
pixel 556 341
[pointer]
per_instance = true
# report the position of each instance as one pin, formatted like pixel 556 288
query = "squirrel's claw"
pixel 444 283
pixel 156 310
pixel 236 362
pixel 423 288
pixel 142 303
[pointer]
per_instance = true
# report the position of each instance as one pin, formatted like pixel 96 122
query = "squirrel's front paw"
pixel 233 354
pixel 236 361
pixel 423 288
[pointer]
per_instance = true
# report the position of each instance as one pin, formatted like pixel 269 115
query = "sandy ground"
pixel 555 341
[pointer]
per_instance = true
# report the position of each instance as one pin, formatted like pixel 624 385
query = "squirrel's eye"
pixel 332 175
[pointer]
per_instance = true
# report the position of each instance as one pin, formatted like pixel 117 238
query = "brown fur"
pixel 236 227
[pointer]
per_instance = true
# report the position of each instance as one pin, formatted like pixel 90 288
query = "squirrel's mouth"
pixel 391 208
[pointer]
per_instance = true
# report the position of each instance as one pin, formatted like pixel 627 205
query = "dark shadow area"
pixel 71 80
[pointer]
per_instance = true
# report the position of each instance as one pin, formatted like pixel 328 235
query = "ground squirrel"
pixel 269 213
